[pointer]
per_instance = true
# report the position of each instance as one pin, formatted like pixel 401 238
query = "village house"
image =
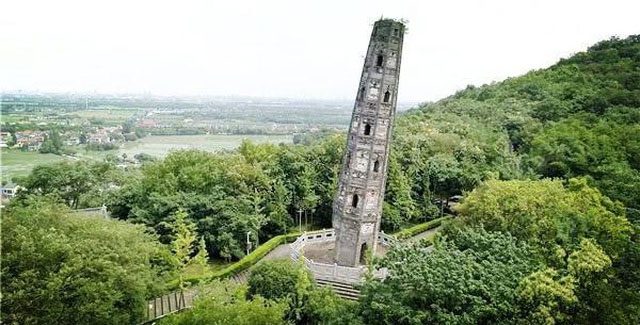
pixel 31 140
pixel 148 123
pixel 9 190
pixel 4 138
pixel 71 138
pixel 105 135
pixel 99 137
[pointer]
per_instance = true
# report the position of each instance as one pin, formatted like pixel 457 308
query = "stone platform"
pixel 324 252
pixel 317 250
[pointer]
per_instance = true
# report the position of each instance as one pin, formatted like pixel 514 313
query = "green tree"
pixel 52 143
pixel 583 237
pixel 78 184
pixel 399 207
pixel 545 297
pixel 273 280
pixel 228 246
pixel 182 244
pixel 469 278
pixel 66 268
pixel 300 297
pixel 545 213
pixel 202 257
pixel 325 307
pixel 283 280
pixel 224 303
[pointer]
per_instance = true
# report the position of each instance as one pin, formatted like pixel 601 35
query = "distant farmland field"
pixel 19 163
pixel 160 146
pixel 117 114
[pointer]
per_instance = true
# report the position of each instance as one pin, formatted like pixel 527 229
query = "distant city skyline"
pixel 288 49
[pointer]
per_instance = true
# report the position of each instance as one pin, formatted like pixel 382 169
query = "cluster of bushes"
pixel 101 146
pixel 225 303
pixel 420 228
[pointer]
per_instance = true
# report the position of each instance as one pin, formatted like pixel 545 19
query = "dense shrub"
pixel 63 268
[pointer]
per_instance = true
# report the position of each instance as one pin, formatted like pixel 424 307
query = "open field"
pixel 160 146
pixel 20 163
pixel 110 114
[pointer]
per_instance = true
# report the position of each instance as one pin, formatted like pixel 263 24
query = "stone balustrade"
pixel 334 272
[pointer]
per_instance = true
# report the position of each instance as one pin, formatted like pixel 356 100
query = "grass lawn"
pixel 161 145
pixel 19 163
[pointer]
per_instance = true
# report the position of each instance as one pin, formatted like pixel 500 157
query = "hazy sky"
pixel 288 48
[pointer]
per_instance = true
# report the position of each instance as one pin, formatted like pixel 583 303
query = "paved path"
pixel 427 234
pixel 280 252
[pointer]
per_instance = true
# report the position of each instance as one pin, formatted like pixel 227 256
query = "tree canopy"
pixel 64 268
pixel 521 251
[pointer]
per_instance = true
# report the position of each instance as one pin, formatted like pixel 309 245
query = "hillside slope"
pixel 580 117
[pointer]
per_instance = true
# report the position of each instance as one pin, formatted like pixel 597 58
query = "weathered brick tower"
pixel 357 207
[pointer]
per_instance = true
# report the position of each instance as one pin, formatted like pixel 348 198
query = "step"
pixel 339 288
pixel 336 283
pixel 346 295
pixel 343 290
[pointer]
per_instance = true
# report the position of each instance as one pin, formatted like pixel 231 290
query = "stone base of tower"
pixel 317 250
pixel 325 252
pixel 354 241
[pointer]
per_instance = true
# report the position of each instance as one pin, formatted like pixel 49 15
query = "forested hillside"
pixel 580 117
pixel 548 230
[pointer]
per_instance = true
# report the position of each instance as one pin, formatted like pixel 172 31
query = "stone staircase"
pixel 241 277
pixel 342 289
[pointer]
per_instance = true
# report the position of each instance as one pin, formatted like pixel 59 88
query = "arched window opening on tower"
pixel 376 166
pixel 363 253
pixel 395 32
pixel 354 201
pixel 348 159
pixel 361 94
pixel 367 129
pixel 387 95
pixel 379 60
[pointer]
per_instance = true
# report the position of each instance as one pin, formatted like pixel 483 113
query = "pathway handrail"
pixel 322 270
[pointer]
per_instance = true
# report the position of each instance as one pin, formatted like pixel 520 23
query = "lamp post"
pixel 248 242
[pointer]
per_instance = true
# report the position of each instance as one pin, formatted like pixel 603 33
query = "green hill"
pixel 580 117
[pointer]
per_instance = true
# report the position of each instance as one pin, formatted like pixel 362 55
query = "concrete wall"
pixel 368 146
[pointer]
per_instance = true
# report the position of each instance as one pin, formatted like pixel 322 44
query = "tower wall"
pixel 357 207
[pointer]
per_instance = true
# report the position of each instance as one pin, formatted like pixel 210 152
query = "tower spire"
pixel 357 207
